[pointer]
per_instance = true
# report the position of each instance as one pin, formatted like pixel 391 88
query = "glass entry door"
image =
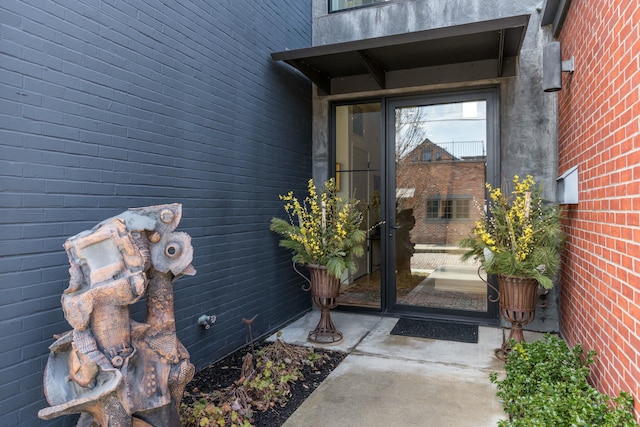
pixel 439 174
pixel 419 166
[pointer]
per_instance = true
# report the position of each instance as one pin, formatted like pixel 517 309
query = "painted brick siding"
pixel 108 104
pixel 599 110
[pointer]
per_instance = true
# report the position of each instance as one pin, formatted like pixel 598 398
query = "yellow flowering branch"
pixel 519 234
pixel 327 231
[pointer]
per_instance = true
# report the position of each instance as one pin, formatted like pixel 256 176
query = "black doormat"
pixel 437 330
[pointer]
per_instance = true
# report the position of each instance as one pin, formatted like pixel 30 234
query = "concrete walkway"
pixel 389 380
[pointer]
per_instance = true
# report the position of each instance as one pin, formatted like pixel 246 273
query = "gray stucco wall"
pixel 401 16
pixel 106 105
pixel 528 116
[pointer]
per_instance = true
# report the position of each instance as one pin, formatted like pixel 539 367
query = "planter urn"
pixel 325 289
pixel 517 296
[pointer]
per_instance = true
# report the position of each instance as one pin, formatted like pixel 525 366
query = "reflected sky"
pixel 442 124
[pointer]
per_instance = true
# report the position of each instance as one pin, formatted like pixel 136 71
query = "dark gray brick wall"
pixel 106 105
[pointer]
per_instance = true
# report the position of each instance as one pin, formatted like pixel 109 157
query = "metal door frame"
pixel 387 196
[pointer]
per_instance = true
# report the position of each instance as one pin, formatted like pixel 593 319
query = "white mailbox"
pixel 568 186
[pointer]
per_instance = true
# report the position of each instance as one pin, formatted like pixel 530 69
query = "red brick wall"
pixel 599 112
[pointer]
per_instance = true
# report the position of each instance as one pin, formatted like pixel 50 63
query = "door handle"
pixel 393 227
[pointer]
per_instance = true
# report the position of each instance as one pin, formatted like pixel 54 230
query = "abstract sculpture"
pixel 112 370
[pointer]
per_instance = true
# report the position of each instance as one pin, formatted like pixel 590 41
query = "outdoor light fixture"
pixel 553 66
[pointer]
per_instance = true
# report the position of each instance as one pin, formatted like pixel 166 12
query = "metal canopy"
pixel 485 49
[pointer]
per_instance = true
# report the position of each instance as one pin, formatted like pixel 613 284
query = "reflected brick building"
pixel 445 191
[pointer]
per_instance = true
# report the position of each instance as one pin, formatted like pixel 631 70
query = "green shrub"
pixel 546 385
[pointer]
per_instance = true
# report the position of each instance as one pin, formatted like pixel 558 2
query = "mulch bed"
pixel 225 372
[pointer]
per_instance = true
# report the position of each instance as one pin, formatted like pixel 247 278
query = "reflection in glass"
pixel 349 4
pixel 358 169
pixel 440 156
pixel 440 171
